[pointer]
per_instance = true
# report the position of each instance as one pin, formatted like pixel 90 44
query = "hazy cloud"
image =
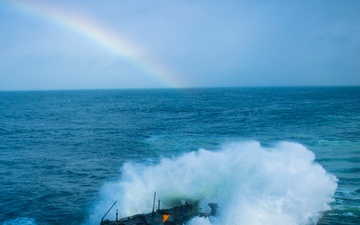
pixel 205 43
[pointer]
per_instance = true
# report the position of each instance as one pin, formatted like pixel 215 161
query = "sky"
pixel 114 44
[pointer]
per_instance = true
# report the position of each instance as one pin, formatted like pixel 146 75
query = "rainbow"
pixel 95 32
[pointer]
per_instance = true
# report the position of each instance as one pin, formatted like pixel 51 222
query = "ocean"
pixel 276 155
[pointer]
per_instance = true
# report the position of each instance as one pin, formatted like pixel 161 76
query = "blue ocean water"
pixel 266 155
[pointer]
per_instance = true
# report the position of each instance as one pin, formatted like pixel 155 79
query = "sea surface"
pixel 288 155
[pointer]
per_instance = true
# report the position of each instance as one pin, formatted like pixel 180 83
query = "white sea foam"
pixel 20 221
pixel 252 185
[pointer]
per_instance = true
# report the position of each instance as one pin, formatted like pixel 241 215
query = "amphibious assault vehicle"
pixel 177 215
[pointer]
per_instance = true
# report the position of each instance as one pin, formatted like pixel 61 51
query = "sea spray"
pixel 252 185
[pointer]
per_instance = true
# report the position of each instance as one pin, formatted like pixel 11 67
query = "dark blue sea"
pixel 288 155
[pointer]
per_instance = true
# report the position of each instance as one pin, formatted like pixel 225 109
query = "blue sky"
pixel 185 43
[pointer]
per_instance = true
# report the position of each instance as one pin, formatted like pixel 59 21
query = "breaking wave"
pixel 252 185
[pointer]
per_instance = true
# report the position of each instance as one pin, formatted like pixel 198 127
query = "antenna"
pixel 153 211
pixel 108 211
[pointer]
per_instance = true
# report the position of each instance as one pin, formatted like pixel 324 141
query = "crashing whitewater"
pixel 253 185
